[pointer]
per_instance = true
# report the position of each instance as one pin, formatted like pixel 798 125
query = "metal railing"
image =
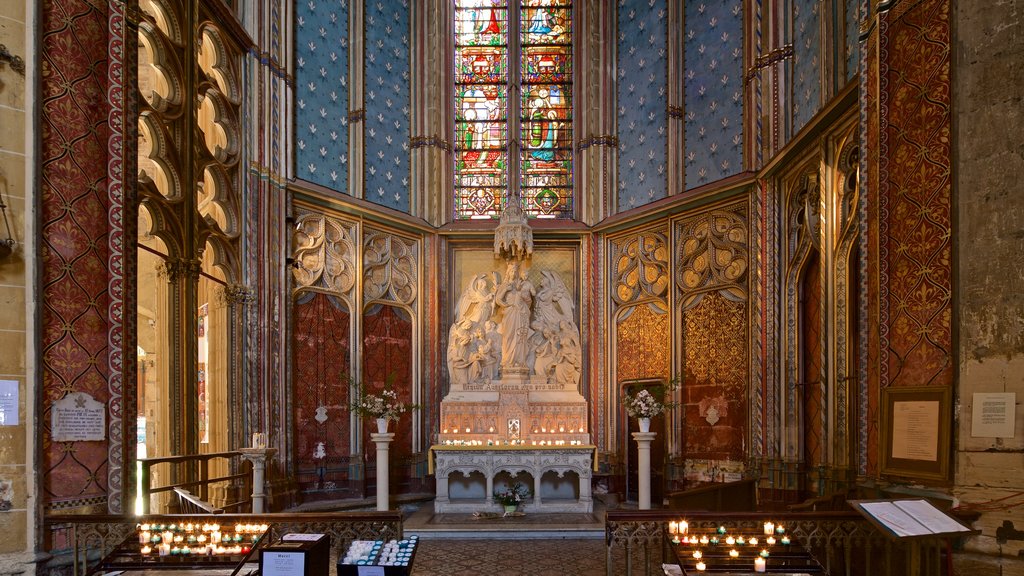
pixel 844 543
pixel 196 466
pixel 78 543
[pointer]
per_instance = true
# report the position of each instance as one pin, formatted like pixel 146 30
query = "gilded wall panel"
pixel 715 383
pixel 641 336
pixel 712 261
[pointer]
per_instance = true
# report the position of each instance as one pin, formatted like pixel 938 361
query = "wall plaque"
pixel 78 417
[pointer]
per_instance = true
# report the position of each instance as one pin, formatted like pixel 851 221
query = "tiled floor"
pixel 515 557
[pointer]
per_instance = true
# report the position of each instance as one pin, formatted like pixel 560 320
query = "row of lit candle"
pixel 240 528
pixel 759 565
pixel 682 527
pixel 213 538
pixel 209 549
pixel 729 540
pixel 513 443
pixel 490 430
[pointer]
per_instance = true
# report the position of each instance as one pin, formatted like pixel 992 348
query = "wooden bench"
pixel 738 496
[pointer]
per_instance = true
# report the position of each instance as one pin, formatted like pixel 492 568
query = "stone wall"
pixel 989 119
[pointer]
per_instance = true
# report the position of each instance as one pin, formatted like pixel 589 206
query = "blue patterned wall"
pixel 642 99
pixel 806 61
pixel 387 103
pixel 852 34
pixel 321 93
pixel 714 90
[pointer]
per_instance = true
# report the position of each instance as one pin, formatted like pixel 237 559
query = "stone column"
pixel 258 457
pixel 643 464
pixel 383 489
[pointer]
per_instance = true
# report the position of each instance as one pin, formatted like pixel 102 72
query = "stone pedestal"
pixel 258 457
pixel 383 470
pixel 643 465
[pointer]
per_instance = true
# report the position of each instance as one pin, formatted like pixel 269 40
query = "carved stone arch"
pixel 164 91
pixel 158 157
pixel 218 67
pixel 640 267
pixel 166 16
pixel 390 268
pixel 225 257
pixel 848 188
pixel 221 130
pixel 165 225
pixel 324 253
pixel 806 394
pixel 713 255
pixel 217 201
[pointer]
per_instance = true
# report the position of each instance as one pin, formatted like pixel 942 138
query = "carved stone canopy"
pixel 513 239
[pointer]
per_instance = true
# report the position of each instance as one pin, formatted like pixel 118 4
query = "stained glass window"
pixel 482 108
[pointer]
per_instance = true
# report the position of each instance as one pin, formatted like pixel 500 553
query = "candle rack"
pixel 739 551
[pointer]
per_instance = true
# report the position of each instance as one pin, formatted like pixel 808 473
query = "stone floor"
pixel 450 557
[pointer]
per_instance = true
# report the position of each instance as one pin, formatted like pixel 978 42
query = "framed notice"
pixel 916 422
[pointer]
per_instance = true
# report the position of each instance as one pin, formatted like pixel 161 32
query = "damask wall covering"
pixel 642 96
pixel 713 49
pixel 321 92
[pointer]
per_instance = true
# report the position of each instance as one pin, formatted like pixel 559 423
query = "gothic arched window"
pixel 513 107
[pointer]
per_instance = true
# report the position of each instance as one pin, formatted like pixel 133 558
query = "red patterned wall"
pixel 917 184
pixel 74 228
pixel 909 194
pixel 716 368
pixel 810 360
pixel 387 353
pixel 321 357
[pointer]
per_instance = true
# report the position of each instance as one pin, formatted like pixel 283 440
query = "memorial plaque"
pixel 78 417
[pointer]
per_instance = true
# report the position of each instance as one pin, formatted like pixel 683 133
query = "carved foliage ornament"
pixel 713 255
pixel 389 267
pixel 641 267
pixel 325 253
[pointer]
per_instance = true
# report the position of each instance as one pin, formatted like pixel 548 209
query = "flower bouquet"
pixel 512 496
pixel 384 406
pixel 645 405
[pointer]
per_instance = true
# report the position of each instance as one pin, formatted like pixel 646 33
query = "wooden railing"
pixel 78 543
pixel 197 466
pixel 844 542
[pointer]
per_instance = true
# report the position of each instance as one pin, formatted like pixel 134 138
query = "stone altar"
pixel 514 364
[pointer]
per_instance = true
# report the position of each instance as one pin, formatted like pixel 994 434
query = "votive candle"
pixel 144 537
pixel 759 564
pixel 704 539
pixel 673 527
pixel 785 540
pixel 733 553
pixel 763 553
pixel 146 550
pixel 769 528
pixel 730 540
pixel 698 554
pixel 701 567
pixel 684 527
pixel 753 541
pixel 770 540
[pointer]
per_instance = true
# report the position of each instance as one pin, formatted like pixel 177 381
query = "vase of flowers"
pixel 384 406
pixel 645 405
pixel 512 496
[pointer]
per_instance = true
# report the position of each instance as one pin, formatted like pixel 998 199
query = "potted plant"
pixel 384 406
pixel 512 496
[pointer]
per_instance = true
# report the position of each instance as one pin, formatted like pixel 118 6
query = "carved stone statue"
pixel 515 295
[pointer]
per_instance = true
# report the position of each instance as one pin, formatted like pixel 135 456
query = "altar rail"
pixel 197 466
pixel 79 542
pixel 844 542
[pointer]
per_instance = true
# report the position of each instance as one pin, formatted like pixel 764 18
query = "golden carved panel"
pixel 715 341
pixel 642 343
pixel 640 265
pixel 713 254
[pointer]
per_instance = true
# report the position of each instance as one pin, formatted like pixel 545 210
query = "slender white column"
pixel 258 457
pixel 643 465
pixel 383 453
